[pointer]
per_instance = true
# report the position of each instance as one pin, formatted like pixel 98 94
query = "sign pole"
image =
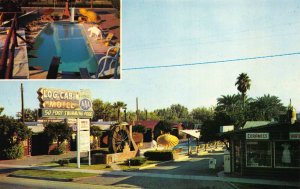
pixel 89 157
pixel 78 144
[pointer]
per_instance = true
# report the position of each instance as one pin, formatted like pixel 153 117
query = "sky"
pixel 165 32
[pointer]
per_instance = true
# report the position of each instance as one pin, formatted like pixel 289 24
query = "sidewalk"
pixel 169 176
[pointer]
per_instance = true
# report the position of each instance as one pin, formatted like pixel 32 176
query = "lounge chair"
pixel 107 40
pixel 112 51
pixel 108 67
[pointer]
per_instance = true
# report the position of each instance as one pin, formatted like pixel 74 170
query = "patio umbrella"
pixel 167 140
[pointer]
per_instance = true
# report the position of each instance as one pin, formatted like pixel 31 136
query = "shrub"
pixel 13 152
pixel 59 150
pixel 136 161
pixel 102 151
pixel 63 162
pixel 164 155
pixel 97 158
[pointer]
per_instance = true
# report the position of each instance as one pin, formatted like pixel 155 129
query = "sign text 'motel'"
pixel 65 103
pixel 259 136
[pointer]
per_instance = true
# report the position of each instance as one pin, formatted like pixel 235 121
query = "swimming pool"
pixel 67 41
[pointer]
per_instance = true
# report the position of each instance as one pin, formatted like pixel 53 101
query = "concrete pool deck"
pixel 21 66
pixel 109 24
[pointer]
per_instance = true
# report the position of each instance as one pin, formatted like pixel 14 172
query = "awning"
pixel 193 132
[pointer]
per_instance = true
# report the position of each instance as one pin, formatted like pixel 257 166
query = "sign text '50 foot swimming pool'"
pixel 60 103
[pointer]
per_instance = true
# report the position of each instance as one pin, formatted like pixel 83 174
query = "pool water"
pixel 67 41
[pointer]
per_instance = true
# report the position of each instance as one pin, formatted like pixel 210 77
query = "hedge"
pixel 13 152
pixel 155 155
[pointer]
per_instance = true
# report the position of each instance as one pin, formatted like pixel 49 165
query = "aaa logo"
pixel 85 104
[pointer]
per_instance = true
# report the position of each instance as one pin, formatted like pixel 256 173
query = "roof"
pixel 193 132
pixel 251 124
pixel 36 129
pixel 149 124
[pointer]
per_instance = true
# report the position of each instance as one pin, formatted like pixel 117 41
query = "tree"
pixel 266 108
pixel 102 110
pixel 96 133
pixel 243 84
pixel 1 110
pixel 202 114
pixel 229 110
pixel 228 103
pixel 139 129
pixel 175 113
pixel 30 115
pixel 209 131
pixel 57 131
pixel 118 105
pixel 12 133
pixel 161 128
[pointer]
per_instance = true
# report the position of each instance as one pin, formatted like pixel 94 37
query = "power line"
pixel 211 62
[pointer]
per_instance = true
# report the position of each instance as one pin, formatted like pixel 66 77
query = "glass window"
pixel 287 153
pixel 258 154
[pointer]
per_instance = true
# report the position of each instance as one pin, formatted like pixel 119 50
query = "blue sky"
pixel 165 32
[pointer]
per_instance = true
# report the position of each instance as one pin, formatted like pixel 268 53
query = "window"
pixel 258 154
pixel 287 154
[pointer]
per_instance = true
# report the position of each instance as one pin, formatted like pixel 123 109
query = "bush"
pixel 102 151
pixel 97 158
pixel 82 160
pixel 63 162
pixel 59 150
pixel 136 161
pixel 14 152
pixel 164 155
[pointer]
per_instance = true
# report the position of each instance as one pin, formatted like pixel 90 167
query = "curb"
pixel 155 164
pixel 41 178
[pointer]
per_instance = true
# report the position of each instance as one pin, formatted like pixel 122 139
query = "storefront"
pixel 268 150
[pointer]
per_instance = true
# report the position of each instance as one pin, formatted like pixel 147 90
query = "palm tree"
pixel 266 107
pixel 118 105
pixel 243 84
pixel 227 102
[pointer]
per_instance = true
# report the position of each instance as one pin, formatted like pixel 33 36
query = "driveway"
pixel 192 166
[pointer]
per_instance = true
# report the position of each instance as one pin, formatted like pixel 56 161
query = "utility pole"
pixel 137 109
pixel 125 114
pixel 22 104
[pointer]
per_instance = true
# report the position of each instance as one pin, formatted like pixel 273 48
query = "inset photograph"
pixel 60 39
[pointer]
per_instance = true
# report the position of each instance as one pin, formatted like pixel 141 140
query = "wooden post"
pixel 10 65
pixel 4 56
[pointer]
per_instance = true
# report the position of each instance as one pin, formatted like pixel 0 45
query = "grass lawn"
pixel 260 186
pixel 82 166
pixel 103 167
pixel 52 174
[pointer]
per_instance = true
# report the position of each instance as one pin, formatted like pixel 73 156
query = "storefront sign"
pixel 58 103
pixel 295 136
pixel 84 134
pixel 57 113
pixel 257 136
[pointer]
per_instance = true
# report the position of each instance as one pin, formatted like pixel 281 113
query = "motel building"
pixel 267 149
pixel 58 105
